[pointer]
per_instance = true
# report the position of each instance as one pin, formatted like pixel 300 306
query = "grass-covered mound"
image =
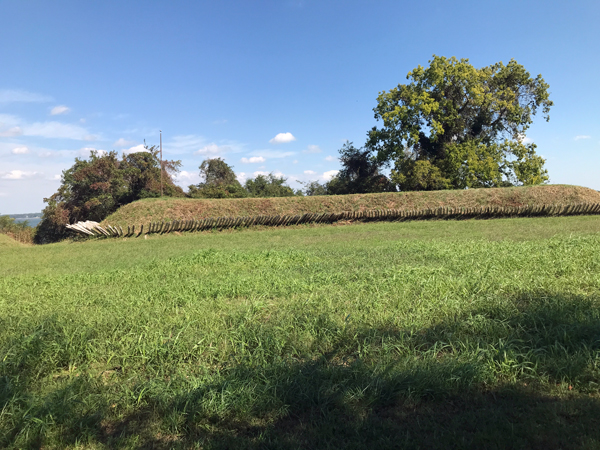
pixel 151 210
pixel 8 242
pixel 455 334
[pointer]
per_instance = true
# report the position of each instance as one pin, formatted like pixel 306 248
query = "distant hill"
pixel 156 209
pixel 26 215
pixel 33 219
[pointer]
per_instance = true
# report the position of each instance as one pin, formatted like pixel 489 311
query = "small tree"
pixel 268 186
pixel 219 181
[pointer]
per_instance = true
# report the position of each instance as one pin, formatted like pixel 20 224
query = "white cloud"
pixel 330 174
pixel 330 158
pixel 123 143
pixel 219 121
pixel 60 109
pixel 186 178
pixel 17 95
pixel 312 149
pixel 18 175
pixel 20 150
pixel 253 160
pixel 309 172
pixel 283 138
pixel 260 172
pixel 579 137
pixel 295 161
pixel 56 177
pixel 136 149
pixel 241 177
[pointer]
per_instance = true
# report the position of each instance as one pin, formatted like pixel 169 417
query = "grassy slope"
pixel 148 210
pixel 466 334
pixel 8 242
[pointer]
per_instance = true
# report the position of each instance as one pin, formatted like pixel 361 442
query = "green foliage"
pixel 20 231
pixel 475 334
pixel 455 126
pixel 219 181
pixel 360 173
pixel 268 186
pixel 95 187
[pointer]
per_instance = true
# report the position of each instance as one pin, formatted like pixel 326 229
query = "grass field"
pixel 446 334
pixel 154 209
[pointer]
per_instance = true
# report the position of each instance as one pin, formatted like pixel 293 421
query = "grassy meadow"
pixel 441 334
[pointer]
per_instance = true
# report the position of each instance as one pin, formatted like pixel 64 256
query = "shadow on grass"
pixel 497 377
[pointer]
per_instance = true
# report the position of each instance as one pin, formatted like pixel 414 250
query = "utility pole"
pixel 161 166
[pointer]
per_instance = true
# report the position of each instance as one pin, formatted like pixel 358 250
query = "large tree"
pixel 455 126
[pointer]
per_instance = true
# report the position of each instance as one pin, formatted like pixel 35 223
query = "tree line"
pixel 452 126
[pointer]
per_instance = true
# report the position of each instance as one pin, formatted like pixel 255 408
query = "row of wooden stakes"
pixel 94 229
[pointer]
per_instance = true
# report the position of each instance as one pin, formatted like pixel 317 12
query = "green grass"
pixel 470 334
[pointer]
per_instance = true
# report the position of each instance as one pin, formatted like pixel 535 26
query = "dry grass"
pixel 149 210
pixel 8 242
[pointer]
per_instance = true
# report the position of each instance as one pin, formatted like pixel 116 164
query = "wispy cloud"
pixel 17 95
pixel 10 132
pixel 310 172
pixel 330 158
pixel 582 136
pixel 272 153
pixel 14 126
pixel 57 130
pixel 121 142
pixel 20 151
pixel 312 149
pixel 19 175
pixel 282 138
pixel 212 150
pixel 253 160
pixel 60 109
pixel 199 145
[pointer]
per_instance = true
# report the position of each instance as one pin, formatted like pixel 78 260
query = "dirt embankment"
pixel 154 210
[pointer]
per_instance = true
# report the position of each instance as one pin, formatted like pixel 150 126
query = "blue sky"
pixel 226 78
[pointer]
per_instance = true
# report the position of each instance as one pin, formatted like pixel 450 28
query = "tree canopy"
pixel 268 186
pixel 454 126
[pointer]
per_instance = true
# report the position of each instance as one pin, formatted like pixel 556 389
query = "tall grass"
pixel 309 338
